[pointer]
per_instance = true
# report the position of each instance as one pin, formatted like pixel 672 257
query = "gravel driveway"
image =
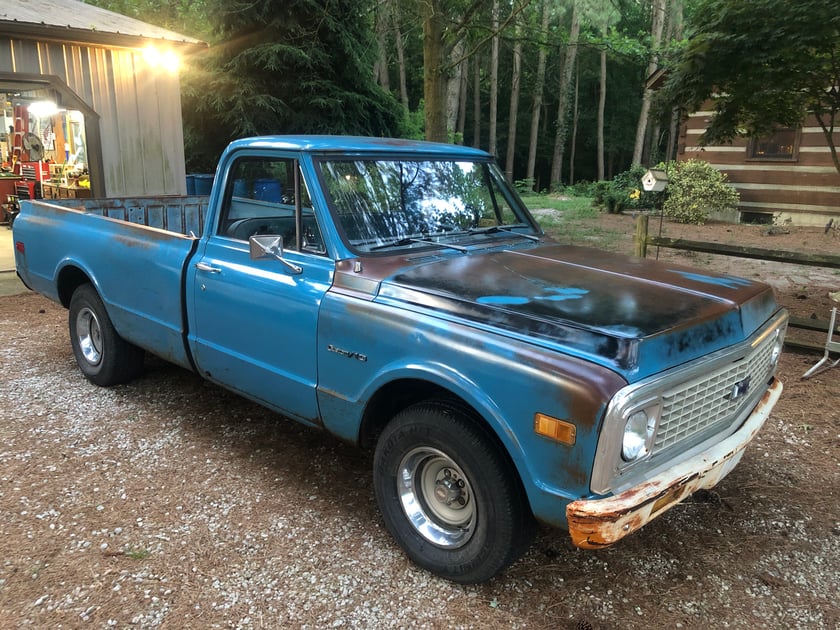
pixel 170 503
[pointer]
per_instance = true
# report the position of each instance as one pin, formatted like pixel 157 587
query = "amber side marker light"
pixel 554 429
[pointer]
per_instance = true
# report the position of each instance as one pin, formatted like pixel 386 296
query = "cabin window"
pixel 260 198
pixel 782 144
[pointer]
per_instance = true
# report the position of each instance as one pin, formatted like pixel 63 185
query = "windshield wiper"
pixel 494 229
pixel 397 242
pixel 458 248
pixel 409 240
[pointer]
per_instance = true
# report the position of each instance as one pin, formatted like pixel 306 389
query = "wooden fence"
pixel 643 240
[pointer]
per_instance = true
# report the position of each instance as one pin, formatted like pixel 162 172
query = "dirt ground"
pixel 170 503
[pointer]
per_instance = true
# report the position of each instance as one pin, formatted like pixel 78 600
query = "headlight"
pixel 638 435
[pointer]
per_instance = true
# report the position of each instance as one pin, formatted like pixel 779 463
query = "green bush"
pixel 696 189
pixel 625 184
pixel 525 186
pixel 582 188
pixel 610 196
pixel 600 190
pixel 412 125
pixel 624 192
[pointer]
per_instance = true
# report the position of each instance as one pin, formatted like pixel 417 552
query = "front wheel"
pixel 103 356
pixel 448 495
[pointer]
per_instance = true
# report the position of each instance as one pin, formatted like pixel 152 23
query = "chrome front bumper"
pixel 596 523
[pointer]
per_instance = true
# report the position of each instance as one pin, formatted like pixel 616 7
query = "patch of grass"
pixel 572 220
pixel 138 554
pixel 578 206
pixel 590 235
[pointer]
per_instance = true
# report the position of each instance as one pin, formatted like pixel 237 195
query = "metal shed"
pixel 117 73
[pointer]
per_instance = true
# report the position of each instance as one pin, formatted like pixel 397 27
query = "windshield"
pixel 392 204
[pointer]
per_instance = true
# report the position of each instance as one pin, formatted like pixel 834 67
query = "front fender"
pixel 364 346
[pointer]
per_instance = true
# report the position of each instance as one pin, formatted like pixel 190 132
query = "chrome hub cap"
pixel 436 497
pixel 89 336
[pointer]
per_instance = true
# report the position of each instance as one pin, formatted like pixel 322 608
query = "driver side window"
pixel 260 199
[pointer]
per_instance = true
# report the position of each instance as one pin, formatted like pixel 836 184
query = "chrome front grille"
pixel 697 404
pixel 692 407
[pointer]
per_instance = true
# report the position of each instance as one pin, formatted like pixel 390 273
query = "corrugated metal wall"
pixel 139 110
pixel 804 189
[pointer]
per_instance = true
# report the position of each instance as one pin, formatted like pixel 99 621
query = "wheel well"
pixel 390 400
pixel 397 395
pixel 70 279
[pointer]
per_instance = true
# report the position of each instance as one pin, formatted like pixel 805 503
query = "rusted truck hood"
pixel 634 315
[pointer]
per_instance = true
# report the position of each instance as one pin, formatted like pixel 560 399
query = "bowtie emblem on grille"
pixel 739 389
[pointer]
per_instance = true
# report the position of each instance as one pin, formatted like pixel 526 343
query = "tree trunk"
pixel 602 103
pixel 400 47
pixel 675 32
pixel 380 68
pixel 652 151
pixel 565 83
pixel 673 130
pixel 453 88
pixel 494 78
pixel 574 129
pixel 462 104
pixel 477 104
pixel 658 22
pixel 514 103
pixel 434 83
pixel 539 86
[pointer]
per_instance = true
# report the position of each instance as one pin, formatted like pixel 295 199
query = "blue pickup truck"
pixel 400 296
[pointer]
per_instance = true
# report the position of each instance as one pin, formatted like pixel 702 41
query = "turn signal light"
pixel 554 429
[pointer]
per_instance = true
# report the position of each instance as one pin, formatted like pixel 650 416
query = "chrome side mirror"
pixel 270 246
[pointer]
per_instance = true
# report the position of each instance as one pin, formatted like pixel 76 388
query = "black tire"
pixel 103 356
pixel 449 496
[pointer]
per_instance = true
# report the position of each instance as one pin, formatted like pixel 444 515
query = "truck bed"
pixel 183 215
pixel 135 252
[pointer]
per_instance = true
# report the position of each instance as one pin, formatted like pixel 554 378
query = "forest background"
pixel 553 88
pixel 557 90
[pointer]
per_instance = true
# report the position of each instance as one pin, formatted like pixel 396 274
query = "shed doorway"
pixel 49 141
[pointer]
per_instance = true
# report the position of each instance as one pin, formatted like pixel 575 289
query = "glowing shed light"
pixel 162 59
pixel 43 109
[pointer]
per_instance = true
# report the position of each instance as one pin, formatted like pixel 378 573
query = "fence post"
pixel 640 242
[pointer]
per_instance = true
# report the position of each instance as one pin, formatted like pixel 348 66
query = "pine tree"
pixel 291 66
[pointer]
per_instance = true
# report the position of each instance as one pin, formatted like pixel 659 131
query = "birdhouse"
pixel 655 180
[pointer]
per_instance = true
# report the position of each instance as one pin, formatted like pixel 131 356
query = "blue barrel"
pixel 240 188
pixel 267 190
pixel 203 184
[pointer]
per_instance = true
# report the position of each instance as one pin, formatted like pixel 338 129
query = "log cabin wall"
pixel 789 177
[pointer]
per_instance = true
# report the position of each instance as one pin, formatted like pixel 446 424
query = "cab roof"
pixel 349 145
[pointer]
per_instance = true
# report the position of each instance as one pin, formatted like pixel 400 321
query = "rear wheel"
pixel 448 494
pixel 103 356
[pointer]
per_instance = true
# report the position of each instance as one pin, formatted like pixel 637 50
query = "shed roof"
pixel 72 20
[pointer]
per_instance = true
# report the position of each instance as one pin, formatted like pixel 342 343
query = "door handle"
pixel 203 266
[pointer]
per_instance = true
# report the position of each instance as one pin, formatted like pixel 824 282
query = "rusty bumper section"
pixel 596 523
